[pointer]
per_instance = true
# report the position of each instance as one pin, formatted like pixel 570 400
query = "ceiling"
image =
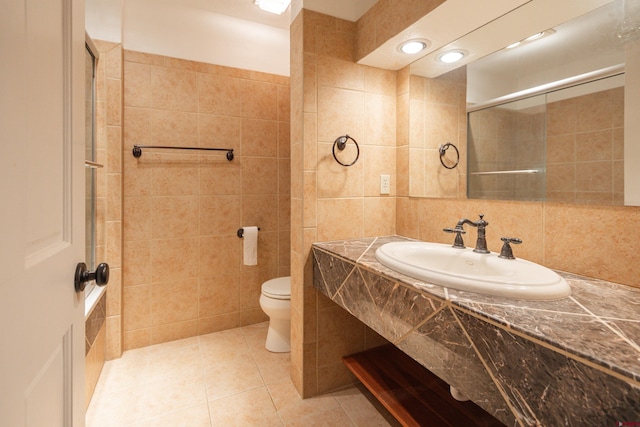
pixel 350 10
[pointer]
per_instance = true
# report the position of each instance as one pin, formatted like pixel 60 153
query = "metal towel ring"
pixel 443 150
pixel 341 143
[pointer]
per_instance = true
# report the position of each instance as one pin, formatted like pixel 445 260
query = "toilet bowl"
pixel 275 301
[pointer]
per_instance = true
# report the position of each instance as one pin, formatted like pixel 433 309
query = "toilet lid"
pixel 279 288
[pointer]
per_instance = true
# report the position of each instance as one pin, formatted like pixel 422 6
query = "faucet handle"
pixel 506 252
pixel 458 242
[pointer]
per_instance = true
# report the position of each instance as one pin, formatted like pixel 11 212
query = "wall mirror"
pixel 546 117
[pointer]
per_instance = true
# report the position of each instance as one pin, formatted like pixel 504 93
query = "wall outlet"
pixel 385 184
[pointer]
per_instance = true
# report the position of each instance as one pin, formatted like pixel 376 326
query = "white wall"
pixel 198 34
pixel 103 20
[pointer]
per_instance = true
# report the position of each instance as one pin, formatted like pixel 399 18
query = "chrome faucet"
pixel 481 242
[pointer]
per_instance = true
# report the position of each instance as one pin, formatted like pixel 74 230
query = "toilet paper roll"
pixel 250 245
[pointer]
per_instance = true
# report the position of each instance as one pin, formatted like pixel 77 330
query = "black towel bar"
pixel 137 149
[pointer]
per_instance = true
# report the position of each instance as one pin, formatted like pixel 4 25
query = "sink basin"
pixel 463 269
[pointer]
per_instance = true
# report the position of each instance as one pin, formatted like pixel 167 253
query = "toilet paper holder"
pixel 240 232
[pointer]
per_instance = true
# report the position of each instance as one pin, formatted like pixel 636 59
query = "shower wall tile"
pixel 137 84
pixel 174 258
pixel 252 279
pixel 259 100
pixel 260 175
pixel 261 209
pixel 137 307
pixel 220 254
pixel 174 180
pixel 284 140
pixel 173 302
pixel 173 89
pixel 114 101
pixel 173 127
pixel 220 131
pixel 182 273
pixel 137 268
pixel 220 179
pixel 219 213
pixel 259 137
pixel 174 217
pixel 173 331
pixel 219 95
pixel 220 295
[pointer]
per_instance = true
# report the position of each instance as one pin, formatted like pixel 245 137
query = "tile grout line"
pixel 606 324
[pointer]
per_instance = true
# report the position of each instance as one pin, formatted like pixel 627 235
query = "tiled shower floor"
pixel 226 378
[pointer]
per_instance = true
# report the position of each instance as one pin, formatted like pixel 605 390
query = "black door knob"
pixel 100 275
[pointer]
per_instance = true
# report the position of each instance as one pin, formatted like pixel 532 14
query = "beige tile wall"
pixel 109 185
pixel 585 149
pixel 333 96
pixel 183 273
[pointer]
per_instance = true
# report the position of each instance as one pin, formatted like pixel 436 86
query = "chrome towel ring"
pixel 341 143
pixel 443 150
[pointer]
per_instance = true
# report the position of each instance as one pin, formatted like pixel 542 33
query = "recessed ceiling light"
pixel 273 6
pixel 531 38
pixel 411 47
pixel 451 56
pixel 535 36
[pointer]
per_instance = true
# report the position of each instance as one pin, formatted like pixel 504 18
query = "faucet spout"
pixel 481 224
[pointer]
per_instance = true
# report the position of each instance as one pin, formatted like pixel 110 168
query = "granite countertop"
pixel 598 324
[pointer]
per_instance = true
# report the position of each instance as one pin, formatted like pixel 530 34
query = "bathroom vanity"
pixel 573 361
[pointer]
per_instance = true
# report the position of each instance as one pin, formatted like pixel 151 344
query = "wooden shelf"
pixel 412 394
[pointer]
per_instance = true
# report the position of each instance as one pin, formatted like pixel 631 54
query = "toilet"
pixel 275 301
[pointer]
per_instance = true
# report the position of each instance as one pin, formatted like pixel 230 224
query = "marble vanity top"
pixel 568 361
pixel 599 322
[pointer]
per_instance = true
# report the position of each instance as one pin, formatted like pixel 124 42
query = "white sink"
pixel 463 269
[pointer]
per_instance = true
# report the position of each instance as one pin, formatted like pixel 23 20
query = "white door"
pixel 41 212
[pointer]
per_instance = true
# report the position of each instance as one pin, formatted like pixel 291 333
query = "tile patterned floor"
pixel 222 379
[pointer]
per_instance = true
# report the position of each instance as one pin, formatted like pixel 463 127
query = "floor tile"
pixel 171 394
pixel 115 408
pixel 292 407
pixel 251 408
pixel 182 361
pixel 232 376
pixel 197 416
pixel 225 379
